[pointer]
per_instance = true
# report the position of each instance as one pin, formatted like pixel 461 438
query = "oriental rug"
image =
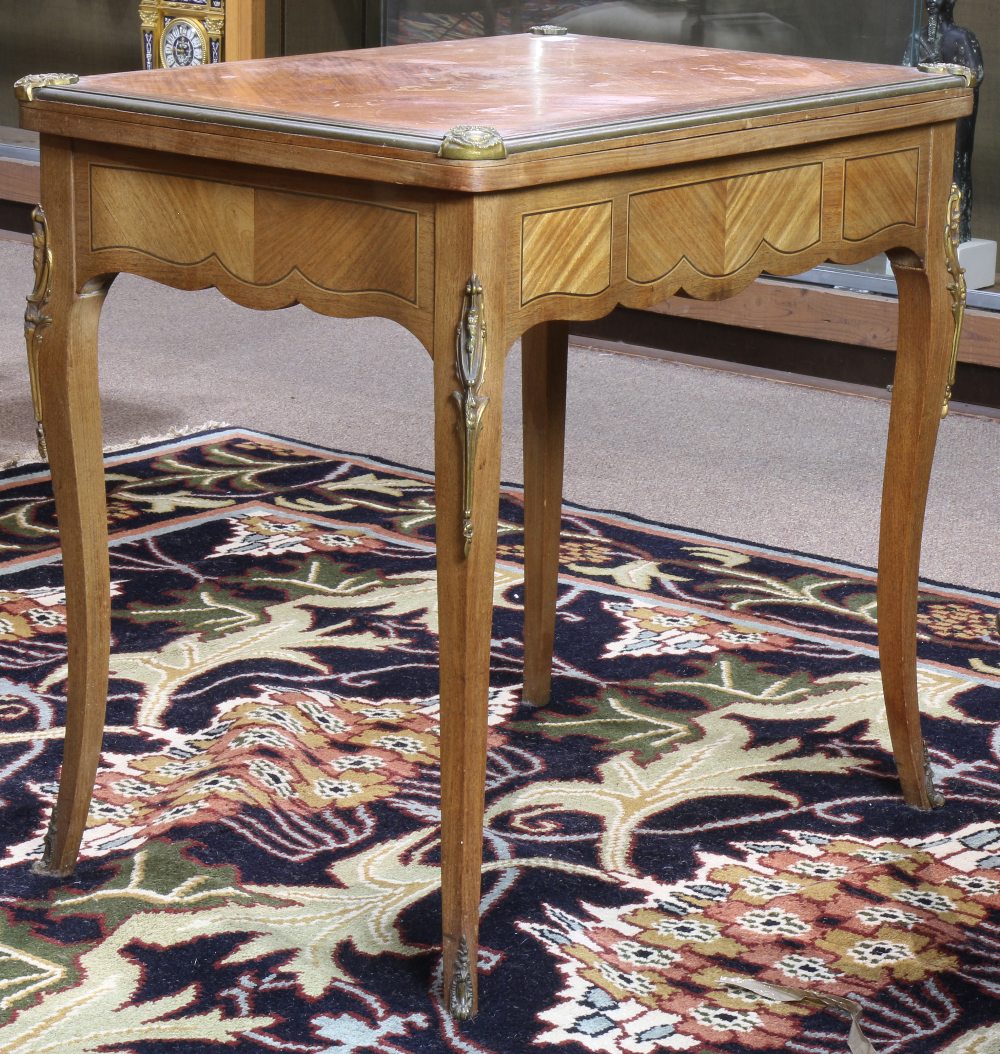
pixel 709 798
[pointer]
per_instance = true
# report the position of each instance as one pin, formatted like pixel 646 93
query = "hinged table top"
pixel 536 91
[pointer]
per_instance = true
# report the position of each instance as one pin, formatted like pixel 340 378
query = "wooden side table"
pixel 478 191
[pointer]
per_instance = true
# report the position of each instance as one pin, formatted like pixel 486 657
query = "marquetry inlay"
pixel 880 192
pixel 723 223
pixel 258 236
pixel 566 251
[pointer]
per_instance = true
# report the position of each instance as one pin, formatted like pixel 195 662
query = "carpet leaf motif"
pixel 709 793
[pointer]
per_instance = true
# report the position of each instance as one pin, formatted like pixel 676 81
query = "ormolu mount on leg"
pixel 471 368
pixel 35 318
pixel 957 287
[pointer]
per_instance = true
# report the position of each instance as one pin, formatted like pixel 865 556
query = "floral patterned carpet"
pixel 709 796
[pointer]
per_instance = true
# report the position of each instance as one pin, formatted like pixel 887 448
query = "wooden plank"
pixel 244 29
pixel 865 319
pixel 19 180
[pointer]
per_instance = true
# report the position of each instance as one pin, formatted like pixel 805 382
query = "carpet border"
pixel 38 468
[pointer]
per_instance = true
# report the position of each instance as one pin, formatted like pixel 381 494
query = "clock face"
pixel 184 43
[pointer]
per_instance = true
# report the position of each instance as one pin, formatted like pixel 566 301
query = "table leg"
pixel 931 305
pixel 468 390
pixel 543 372
pixel 64 359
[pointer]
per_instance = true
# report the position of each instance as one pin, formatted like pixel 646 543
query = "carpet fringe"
pixel 30 456
pixel 857 1041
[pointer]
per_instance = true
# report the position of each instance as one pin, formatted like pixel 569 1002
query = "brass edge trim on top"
pixel 592 133
pixel 614 130
pixel 241 119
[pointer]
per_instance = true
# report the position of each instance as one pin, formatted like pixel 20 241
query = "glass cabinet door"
pixel 857 29
pixel 862 30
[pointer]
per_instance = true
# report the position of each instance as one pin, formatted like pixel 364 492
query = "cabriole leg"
pixel 931 307
pixel 61 328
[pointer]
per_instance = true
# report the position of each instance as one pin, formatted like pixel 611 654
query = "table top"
pixel 535 91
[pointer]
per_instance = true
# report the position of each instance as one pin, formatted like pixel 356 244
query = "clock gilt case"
pixel 182 32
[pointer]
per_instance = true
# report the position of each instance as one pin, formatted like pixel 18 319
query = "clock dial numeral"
pixel 183 45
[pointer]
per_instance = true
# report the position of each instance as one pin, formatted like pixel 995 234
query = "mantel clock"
pixel 182 32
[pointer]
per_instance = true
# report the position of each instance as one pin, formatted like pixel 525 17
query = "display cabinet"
pixel 858 29
pixel 108 36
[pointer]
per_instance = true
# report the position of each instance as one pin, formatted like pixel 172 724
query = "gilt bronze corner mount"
pixel 26 87
pixel 950 67
pixel 472 142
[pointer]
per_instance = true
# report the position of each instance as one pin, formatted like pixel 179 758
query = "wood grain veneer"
pixel 880 191
pixel 260 237
pixel 566 250
pixel 780 209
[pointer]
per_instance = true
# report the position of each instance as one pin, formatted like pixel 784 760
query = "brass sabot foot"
pixel 460 994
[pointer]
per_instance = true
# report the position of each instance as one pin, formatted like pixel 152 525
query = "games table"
pixel 476 192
